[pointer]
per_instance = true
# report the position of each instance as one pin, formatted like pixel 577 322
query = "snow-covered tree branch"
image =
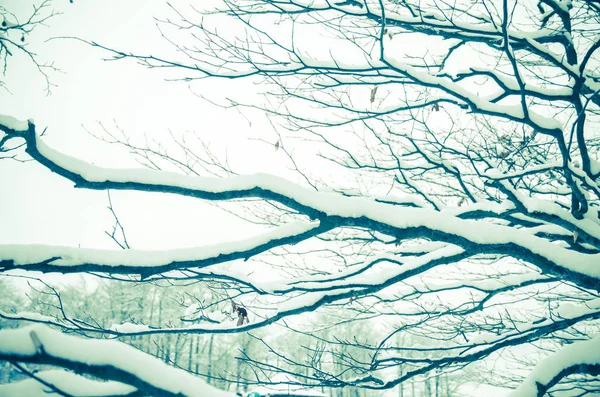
pixel 106 359
pixel 437 171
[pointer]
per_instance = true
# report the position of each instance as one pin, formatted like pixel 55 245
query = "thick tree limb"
pixel 107 360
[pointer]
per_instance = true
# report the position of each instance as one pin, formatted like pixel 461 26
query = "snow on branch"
pixel 298 296
pixel 48 258
pixel 475 349
pixel 540 122
pixel 332 210
pixel 12 123
pixel 67 382
pixel 408 266
pixel 578 358
pixel 104 359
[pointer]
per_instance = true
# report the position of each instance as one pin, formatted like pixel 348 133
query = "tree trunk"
pixel 210 356
pixel 152 306
pixel 167 349
pixel 190 353
pixel 160 305
pixel 447 385
pixel 177 349
pixel 238 374
pixel 196 354
pixel 401 385
pixel 340 370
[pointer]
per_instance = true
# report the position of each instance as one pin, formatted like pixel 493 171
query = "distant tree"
pixel 453 192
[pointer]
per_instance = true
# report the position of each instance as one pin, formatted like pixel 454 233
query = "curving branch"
pixel 332 210
pixel 106 360
pixel 578 358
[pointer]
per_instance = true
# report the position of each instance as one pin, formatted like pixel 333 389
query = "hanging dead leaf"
pixel 373 92
pixel 436 107
pixel 575 235
pixel 242 316
pixel 277 145
pixel 390 35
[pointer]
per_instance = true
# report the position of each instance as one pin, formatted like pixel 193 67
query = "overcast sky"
pixel 40 207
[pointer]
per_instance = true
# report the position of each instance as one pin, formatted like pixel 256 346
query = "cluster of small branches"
pixel 461 203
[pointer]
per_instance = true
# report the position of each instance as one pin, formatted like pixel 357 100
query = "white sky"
pixel 37 206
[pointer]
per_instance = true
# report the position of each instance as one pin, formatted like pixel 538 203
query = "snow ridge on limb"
pixel 476 349
pixel 578 358
pixel 107 360
pixel 332 210
pixel 69 383
pixel 71 259
pixel 314 292
pixel 9 122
